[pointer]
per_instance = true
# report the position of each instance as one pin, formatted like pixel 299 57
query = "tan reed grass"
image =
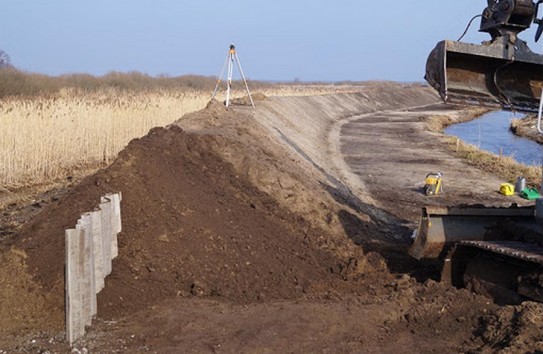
pixel 43 139
pixel 47 138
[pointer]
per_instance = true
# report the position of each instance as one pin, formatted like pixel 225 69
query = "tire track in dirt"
pixel 312 127
pixel 391 152
pixel 343 167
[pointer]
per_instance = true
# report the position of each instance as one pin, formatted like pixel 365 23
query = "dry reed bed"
pixel 47 139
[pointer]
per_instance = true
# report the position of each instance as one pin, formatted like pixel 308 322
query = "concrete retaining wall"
pixel 90 248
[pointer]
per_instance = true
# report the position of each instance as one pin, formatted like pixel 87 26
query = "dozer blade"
pixel 498 74
pixel 440 227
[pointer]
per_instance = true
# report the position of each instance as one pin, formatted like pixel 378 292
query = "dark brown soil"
pixel 192 227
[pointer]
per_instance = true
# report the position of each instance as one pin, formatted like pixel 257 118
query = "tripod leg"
pixel 220 77
pixel 230 71
pixel 244 81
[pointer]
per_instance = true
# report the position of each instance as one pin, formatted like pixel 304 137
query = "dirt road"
pixel 282 229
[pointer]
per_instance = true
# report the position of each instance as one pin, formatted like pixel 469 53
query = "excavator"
pixel 494 251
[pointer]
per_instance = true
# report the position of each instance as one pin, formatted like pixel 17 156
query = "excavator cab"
pixel 502 72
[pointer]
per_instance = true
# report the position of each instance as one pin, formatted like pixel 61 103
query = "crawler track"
pixel 517 250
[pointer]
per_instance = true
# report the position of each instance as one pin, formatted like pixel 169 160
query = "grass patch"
pixel 437 123
pixel 503 166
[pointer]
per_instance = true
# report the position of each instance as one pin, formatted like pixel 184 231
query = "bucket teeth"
pixel 498 74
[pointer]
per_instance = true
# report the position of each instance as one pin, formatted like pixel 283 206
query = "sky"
pixel 309 40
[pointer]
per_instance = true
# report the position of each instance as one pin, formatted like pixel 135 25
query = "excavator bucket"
pixel 498 74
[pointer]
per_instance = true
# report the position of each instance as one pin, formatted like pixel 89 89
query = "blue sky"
pixel 276 40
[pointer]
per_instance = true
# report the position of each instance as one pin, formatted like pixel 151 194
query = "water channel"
pixel 491 133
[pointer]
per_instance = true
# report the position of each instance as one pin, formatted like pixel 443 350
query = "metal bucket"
pixel 520 185
pixel 497 74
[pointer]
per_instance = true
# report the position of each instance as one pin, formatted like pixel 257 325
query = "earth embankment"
pixel 244 229
pixel 527 128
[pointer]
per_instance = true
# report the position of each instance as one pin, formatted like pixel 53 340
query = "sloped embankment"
pixel 241 208
pixel 226 211
pixel 527 128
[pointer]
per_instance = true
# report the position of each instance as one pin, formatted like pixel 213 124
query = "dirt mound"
pixel 192 226
pixel 513 329
pixel 246 101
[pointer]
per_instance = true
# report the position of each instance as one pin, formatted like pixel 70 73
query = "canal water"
pixel 491 133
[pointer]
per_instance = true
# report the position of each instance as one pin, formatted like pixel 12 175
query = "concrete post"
pixel 99 275
pixel 75 328
pixel 106 236
pixel 90 248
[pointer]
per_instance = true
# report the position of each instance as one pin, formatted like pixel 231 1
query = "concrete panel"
pixel 99 275
pixel 106 236
pixel 115 200
pixel 89 282
pixel 75 327
pixel 116 215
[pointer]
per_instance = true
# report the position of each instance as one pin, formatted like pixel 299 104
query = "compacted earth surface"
pixel 279 229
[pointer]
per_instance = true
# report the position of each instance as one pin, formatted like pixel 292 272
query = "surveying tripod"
pixel 230 59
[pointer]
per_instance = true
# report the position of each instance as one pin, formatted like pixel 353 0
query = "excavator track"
pixel 507 271
pixel 518 250
pixel 496 252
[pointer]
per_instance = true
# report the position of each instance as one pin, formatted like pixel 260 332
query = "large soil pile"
pixel 192 226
